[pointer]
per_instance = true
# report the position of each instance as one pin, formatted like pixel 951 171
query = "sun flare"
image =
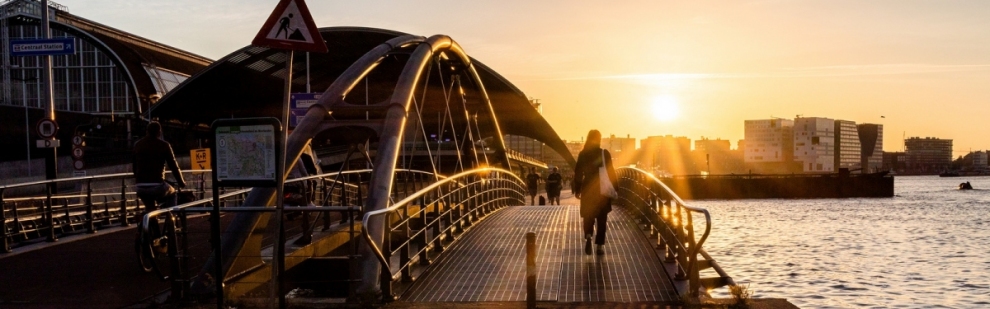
pixel 665 108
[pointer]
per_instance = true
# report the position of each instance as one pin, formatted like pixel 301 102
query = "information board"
pixel 245 151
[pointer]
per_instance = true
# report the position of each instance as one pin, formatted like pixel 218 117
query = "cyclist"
pixel 151 155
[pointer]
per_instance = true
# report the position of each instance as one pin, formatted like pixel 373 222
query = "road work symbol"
pixel 290 27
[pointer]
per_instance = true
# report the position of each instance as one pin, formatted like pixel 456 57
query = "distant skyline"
pixel 624 68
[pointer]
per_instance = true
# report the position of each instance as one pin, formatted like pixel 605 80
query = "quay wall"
pixel 781 186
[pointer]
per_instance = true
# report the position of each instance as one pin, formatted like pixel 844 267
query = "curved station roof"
pixel 249 83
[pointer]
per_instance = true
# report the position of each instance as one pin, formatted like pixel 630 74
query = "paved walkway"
pixel 488 264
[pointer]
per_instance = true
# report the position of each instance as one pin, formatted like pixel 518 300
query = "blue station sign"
pixel 40 47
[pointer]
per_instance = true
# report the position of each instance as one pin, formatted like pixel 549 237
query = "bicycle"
pixel 155 244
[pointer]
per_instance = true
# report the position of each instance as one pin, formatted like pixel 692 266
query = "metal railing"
pixel 341 192
pixel 671 221
pixel 38 211
pixel 434 216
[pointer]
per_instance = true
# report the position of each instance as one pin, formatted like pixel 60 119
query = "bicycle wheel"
pixel 143 245
pixel 160 246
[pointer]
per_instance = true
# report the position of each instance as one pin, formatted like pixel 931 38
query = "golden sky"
pixel 923 65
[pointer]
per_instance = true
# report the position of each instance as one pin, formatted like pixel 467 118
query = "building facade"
pixel 871 146
pixel 928 155
pixel 814 144
pixel 768 140
pixel 847 146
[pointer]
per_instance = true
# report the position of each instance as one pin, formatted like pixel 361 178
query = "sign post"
pixel 289 27
pixel 245 154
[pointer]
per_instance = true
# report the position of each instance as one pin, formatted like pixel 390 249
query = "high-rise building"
pixel 980 161
pixel 847 145
pixel 928 155
pixel 768 140
pixel 814 142
pixel 871 146
pixel 623 149
pixel 713 145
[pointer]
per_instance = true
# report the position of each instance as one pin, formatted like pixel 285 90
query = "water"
pixel 927 247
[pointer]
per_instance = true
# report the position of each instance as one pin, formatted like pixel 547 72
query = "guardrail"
pixel 50 215
pixel 671 221
pixel 342 192
pixel 434 216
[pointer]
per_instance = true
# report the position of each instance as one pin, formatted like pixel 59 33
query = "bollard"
pixel 531 270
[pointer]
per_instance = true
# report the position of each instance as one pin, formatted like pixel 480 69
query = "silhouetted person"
pixel 151 155
pixel 532 184
pixel 283 25
pixel 587 187
pixel 554 184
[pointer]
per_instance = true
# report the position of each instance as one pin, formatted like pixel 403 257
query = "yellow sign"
pixel 200 158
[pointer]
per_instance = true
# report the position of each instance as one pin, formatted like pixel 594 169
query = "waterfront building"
pixel 895 161
pixel 928 155
pixel 847 145
pixel 103 91
pixel 667 153
pixel 711 145
pixel 980 161
pixel 716 157
pixel 768 145
pixel 814 142
pixel 871 146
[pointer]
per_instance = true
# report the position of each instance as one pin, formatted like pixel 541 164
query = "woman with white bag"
pixel 594 184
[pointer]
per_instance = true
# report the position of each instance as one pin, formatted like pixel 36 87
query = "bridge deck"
pixel 488 264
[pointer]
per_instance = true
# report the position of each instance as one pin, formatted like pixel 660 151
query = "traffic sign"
pixel 78 164
pixel 299 104
pixel 290 27
pixel 200 158
pixel 36 47
pixel 79 141
pixel 77 152
pixel 46 128
pixel 47 143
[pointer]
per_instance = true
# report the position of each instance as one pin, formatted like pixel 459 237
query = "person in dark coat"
pixel 151 155
pixel 532 184
pixel 586 186
pixel 554 184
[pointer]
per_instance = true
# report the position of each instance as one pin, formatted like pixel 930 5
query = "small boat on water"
pixel 965 186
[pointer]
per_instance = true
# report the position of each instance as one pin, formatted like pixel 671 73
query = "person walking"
pixel 553 186
pixel 151 155
pixel 532 184
pixel 586 184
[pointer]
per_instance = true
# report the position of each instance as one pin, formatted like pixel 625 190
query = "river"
pixel 927 247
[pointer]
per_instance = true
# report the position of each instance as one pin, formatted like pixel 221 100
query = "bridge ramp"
pixel 488 264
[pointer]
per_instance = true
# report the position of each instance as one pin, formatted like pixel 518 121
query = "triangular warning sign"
pixel 290 27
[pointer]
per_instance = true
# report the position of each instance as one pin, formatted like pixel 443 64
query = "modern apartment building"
pixel 814 144
pixel 847 145
pixel 871 146
pixel 768 140
pixel 928 155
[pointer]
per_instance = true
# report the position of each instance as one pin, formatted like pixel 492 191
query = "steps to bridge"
pixel 488 264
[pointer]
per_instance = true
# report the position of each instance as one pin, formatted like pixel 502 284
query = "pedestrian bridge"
pixel 424 204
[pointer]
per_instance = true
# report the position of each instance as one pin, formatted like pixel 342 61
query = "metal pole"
pixel 279 259
pixel 215 242
pixel 531 270
pixel 51 166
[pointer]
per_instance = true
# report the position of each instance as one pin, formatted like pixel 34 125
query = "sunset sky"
pixel 623 66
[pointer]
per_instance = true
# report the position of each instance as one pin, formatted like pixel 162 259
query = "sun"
pixel 665 108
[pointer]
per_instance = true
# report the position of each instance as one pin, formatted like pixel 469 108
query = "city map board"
pixel 245 152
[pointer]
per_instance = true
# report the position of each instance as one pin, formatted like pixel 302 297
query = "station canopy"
pixel 249 83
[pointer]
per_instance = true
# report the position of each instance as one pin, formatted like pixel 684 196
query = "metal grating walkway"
pixel 488 264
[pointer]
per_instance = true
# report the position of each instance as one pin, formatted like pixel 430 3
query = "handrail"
pixel 409 199
pixel 708 216
pixel 689 263
pixel 96 177
pixel 145 220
